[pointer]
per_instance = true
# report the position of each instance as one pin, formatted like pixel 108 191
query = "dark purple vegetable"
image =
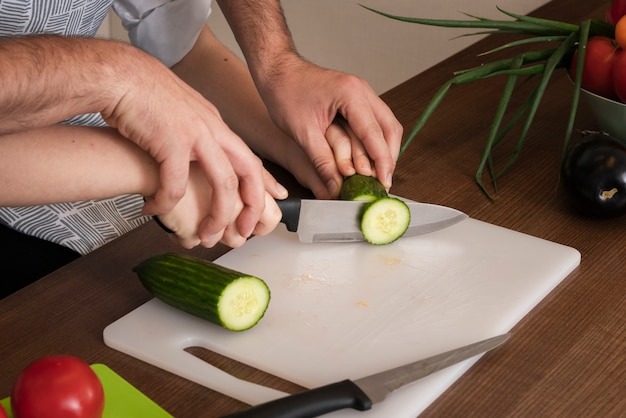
pixel 594 176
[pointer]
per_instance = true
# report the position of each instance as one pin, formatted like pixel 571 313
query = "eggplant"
pixel 593 174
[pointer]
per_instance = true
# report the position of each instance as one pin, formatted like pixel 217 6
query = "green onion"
pixel 534 64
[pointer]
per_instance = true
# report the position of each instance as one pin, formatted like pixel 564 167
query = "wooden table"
pixel 567 357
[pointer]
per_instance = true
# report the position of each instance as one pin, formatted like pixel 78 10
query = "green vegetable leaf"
pixel 565 27
pixel 514 26
pixel 537 65
pixel 526 41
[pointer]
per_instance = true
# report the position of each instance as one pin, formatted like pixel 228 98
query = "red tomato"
pixel 597 70
pixel 3 413
pixel 619 77
pixel 57 386
pixel 616 10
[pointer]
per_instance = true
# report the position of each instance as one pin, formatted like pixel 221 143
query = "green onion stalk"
pixel 538 64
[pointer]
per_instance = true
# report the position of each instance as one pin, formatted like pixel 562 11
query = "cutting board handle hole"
pixel 242 371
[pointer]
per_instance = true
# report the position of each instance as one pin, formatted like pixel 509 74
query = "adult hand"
pixel 347 127
pixel 303 99
pixel 176 125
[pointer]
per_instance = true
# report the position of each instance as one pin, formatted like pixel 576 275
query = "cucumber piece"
pixel 225 297
pixel 362 188
pixel 385 220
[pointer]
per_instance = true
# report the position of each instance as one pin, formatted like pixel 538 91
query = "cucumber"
pixel 225 297
pixel 362 188
pixel 384 219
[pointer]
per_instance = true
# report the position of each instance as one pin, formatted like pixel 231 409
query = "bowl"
pixel 610 115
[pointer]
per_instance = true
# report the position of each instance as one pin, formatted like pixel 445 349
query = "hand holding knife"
pixel 362 393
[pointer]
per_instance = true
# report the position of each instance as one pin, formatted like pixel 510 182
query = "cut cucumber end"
pixel 362 188
pixel 243 303
pixel 385 220
pixel 223 296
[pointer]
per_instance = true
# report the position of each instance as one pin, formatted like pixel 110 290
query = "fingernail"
pixel 282 191
pixel 348 168
pixel 388 181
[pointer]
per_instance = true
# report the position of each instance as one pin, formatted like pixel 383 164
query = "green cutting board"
pixel 121 399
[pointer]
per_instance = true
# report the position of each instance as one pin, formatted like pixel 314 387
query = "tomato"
pixel 3 413
pixel 594 177
pixel 598 67
pixel 619 76
pixel 57 386
pixel 616 10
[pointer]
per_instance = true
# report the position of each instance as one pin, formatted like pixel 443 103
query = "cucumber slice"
pixel 385 220
pixel 362 188
pixel 225 297
pixel 243 303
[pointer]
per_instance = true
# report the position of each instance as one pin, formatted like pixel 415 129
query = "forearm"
pixel 263 35
pixel 66 163
pixel 46 79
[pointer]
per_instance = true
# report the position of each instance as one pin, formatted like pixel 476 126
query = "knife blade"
pixel 338 220
pixel 361 394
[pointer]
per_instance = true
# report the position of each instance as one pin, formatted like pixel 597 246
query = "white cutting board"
pixel 346 310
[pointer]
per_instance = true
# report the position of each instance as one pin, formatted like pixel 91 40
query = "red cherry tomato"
pixel 57 386
pixel 598 67
pixel 616 10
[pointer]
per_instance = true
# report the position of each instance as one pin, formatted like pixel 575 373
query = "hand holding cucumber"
pixel 337 119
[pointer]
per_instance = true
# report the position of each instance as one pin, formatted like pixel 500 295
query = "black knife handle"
pixel 311 403
pixel 291 212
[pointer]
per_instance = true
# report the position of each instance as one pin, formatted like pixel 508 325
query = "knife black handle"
pixel 311 403
pixel 290 208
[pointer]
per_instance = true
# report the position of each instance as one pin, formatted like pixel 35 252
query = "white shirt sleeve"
pixel 167 29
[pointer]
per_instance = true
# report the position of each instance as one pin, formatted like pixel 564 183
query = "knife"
pixel 338 220
pixel 362 393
